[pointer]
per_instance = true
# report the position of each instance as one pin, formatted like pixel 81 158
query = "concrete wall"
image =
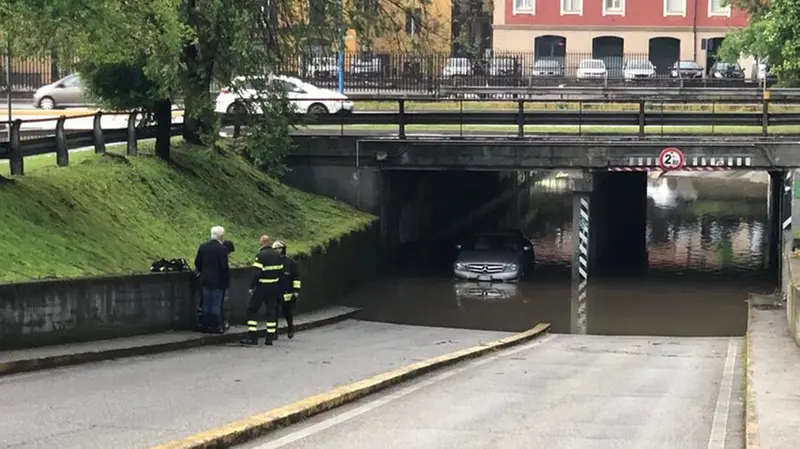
pixel 359 188
pixel 793 298
pixel 70 310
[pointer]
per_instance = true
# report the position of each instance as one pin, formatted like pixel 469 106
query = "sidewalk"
pixel 34 359
pixel 773 370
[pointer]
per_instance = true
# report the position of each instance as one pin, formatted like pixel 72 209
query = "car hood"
pixel 486 257
pixel 639 71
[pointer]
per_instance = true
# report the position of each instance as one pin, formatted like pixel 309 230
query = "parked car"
pixel 365 66
pixel 502 255
pixel 323 67
pixel 548 67
pixel 726 70
pixel 67 91
pixel 762 70
pixel 638 69
pixel 686 69
pixel 592 68
pixel 503 66
pixel 305 98
pixel 457 67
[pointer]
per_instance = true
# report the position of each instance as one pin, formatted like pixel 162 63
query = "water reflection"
pixel 706 253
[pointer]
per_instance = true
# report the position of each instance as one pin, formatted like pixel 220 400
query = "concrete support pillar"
pixel 581 213
pixel 773 256
pixel 619 223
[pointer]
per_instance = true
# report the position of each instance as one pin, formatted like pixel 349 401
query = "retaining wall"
pixel 793 298
pixel 70 310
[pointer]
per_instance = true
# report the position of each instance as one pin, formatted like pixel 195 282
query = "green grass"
pixel 567 129
pixel 530 106
pixel 113 214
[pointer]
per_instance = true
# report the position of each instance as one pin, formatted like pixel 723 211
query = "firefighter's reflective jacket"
pixel 270 265
pixel 290 280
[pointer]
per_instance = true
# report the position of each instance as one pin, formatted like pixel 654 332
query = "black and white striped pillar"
pixel 580 257
pixel 787 236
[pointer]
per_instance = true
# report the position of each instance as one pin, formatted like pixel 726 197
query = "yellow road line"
pixel 256 426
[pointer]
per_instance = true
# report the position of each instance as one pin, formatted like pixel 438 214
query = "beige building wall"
pixel 520 39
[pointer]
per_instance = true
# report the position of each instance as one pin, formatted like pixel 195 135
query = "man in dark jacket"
pixel 211 263
pixel 290 288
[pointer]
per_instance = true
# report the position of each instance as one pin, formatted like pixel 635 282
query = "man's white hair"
pixel 217 232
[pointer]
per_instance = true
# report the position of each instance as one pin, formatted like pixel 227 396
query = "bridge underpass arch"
pixel 611 49
pixel 664 52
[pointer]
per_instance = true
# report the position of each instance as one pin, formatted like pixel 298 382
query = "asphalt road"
pixel 145 401
pixel 563 391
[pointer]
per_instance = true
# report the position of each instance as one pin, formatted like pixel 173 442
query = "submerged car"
pixel 500 256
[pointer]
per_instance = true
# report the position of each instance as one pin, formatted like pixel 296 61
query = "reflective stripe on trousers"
pixel 252 326
pixel 296 284
pixel 267 281
pixel 272 327
pixel 288 296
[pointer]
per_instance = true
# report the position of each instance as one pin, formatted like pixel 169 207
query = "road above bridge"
pixel 565 391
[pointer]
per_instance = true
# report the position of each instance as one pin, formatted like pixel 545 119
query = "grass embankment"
pixel 112 214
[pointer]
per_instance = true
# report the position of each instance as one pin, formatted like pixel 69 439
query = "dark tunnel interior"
pixel 674 256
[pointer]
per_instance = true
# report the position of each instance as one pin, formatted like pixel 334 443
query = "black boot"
pixel 268 342
pixel 290 332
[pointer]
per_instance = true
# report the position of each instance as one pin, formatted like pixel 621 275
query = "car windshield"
pixel 688 65
pixel 592 64
pixel 546 64
pixel 491 242
pixel 639 65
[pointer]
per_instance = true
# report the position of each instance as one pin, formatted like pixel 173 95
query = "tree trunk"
pixel 163 115
pixel 198 118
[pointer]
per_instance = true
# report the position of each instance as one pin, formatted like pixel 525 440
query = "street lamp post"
pixel 340 38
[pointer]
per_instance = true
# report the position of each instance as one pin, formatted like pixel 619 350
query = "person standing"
pixel 211 262
pixel 264 289
pixel 290 288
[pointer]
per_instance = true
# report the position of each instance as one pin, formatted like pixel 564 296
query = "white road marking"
pixel 346 416
pixel 719 426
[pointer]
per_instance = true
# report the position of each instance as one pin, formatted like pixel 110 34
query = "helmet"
pixel 279 246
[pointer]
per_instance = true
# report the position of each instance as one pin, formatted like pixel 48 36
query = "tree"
pixel 772 34
pixel 149 54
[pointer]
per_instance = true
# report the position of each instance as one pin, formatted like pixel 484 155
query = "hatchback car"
pixel 502 256
pixel 592 68
pixel 638 69
pixel 67 91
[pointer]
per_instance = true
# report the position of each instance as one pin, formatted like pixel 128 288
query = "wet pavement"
pixel 562 391
pixel 706 251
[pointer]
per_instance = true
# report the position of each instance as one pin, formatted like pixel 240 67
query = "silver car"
pixel 67 91
pixel 494 257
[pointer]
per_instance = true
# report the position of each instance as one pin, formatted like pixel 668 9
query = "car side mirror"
pixel 60 86
pixel 527 248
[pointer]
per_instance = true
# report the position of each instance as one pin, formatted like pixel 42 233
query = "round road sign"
pixel 670 159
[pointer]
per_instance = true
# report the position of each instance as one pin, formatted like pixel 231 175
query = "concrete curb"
pixel 258 425
pixel 750 416
pixel 37 364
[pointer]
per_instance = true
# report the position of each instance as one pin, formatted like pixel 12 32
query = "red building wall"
pixel 638 13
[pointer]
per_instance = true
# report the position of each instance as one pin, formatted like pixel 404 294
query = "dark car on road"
pixel 686 69
pixel 726 70
pixel 494 256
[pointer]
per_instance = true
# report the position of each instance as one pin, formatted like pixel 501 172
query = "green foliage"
pixel 772 33
pixel 114 214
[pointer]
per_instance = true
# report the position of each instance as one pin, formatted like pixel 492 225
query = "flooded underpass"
pixel 707 249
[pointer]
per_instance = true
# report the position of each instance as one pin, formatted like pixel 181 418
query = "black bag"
pixel 172 265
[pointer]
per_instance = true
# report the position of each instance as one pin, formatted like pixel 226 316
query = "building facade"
pixel 418 27
pixel 665 30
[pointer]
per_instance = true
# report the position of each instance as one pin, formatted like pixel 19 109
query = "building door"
pixel 664 52
pixel 611 50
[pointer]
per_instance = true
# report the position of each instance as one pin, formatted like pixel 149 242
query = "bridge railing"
pixel 404 118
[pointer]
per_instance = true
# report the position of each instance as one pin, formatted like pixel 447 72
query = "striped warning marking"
pixel 635 163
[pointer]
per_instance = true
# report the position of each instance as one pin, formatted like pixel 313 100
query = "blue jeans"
pixel 212 307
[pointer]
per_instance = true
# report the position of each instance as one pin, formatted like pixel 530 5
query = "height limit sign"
pixel 671 159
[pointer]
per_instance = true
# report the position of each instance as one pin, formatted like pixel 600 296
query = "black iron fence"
pixel 430 73
pixel 402 118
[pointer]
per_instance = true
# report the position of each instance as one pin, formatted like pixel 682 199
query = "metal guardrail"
pixel 569 92
pixel 637 117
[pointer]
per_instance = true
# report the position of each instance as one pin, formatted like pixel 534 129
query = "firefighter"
pixel 290 288
pixel 264 289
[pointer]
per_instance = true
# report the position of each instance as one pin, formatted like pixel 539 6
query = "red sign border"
pixel 664 152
